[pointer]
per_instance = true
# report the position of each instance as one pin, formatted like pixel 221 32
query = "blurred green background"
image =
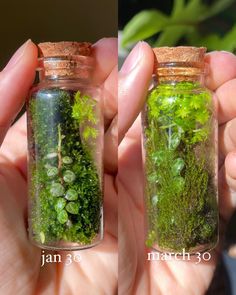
pixel 210 23
pixel 70 20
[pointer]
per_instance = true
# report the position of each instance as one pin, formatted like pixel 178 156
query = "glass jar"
pixel 180 154
pixel 65 142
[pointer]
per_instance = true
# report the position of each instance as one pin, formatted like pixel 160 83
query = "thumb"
pixel 15 81
pixel 134 80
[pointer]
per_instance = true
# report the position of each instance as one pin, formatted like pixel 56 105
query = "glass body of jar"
pixel 181 155
pixel 65 141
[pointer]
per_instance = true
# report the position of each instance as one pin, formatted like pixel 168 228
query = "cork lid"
pixel 66 59
pixel 179 54
pixel 182 63
pixel 50 49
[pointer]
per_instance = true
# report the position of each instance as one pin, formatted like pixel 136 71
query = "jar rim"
pixel 65 61
pixel 182 69
pixel 68 66
pixel 187 64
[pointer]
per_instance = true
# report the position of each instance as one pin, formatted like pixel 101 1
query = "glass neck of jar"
pixel 75 67
pixel 175 72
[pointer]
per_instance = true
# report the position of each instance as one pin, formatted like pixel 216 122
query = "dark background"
pixel 60 20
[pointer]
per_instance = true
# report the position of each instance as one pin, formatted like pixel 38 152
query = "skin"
pixel 20 261
pixel 136 274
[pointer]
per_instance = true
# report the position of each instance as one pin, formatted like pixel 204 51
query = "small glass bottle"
pixel 180 152
pixel 65 141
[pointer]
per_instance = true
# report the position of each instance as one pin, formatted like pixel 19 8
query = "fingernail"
pixel 17 56
pixel 133 59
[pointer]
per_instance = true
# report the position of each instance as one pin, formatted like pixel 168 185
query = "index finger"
pixel 15 81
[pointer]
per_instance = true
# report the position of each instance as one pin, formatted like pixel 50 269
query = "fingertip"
pixel 15 82
pixel 25 50
pixel 31 54
pixel 105 48
pixel 222 67
pixel 149 55
pixel 141 56
pixel 134 82
pixel 33 48
pixel 220 55
pixel 110 42
pixel 148 49
pixel 105 52
pixel 22 73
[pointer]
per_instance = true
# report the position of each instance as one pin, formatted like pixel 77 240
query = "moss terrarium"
pixel 65 163
pixel 180 156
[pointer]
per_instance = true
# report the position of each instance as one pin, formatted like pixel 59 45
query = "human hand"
pixel 139 276
pixel 20 269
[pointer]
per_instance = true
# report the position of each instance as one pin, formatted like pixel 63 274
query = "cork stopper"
pixel 49 49
pixel 182 62
pixel 180 54
pixel 65 59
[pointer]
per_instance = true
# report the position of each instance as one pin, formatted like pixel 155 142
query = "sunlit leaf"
pixel 193 12
pixel 144 25
pixel 215 42
pixel 178 7
pixel 182 23
pixel 229 41
pixel 171 35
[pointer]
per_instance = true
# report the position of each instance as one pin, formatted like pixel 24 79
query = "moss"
pixel 65 189
pixel 180 168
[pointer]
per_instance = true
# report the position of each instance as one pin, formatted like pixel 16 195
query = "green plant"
pixel 83 112
pixel 183 23
pixel 180 190
pixel 65 188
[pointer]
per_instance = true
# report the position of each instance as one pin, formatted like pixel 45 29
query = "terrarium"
pixel 65 141
pixel 180 154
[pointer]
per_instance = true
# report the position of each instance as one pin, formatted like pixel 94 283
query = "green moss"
pixel 180 167
pixel 83 113
pixel 65 188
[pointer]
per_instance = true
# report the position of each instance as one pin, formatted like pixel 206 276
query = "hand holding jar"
pixel 171 216
pixel 20 260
